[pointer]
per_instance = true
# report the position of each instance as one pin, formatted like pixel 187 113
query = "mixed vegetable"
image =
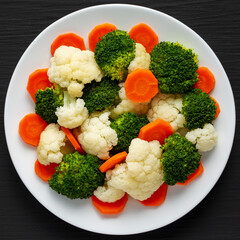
pixel 129 117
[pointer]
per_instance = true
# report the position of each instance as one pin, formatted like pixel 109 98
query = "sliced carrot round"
pixel 218 107
pixel 156 130
pixel 206 80
pixel 110 208
pixel 73 140
pixel 31 127
pixel 45 172
pixel 145 35
pixel 111 162
pixel 38 80
pixel 68 39
pixel 141 85
pixel 98 32
pixel 194 175
pixel 157 198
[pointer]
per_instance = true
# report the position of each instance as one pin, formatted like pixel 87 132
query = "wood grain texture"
pixel 216 217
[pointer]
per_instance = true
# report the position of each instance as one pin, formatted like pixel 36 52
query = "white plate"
pixel 135 218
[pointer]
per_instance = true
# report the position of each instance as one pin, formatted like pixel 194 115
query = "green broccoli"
pixel 180 158
pixel 47 102
pixel 113 54
pixel 198 109
pixel 100 95
pixel 127 127
pixel 77 176
pixel 174 66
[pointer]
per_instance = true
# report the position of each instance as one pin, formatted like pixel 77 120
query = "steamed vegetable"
pixel 198 109
pixel 113 54
pixel 68 39
pixel 47 102
pixel 102 95
pixel 174 66
pixel 180 158
pixel 77 176
pixel 127 127
pixel 144 34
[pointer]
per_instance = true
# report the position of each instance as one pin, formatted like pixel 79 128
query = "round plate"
pixel 180 199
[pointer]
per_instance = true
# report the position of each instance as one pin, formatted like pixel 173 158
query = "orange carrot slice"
pixel 156 130
pixel 206 80
pixel 111 162
pixel 218 107
pixel 157 198
pixel 98 32
pixel 31 127
pixel 141 85
pixel 45 172
pixel 38 80
pixel 73 140
pixel 68 39
pixel 110 208
pixel 145 35
pixel 194 175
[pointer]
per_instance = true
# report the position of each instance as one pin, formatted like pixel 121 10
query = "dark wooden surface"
pixel 22 217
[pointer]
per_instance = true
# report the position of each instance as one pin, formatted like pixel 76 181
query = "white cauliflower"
pixel 141 60
pixel 127 105
pixel 108 193
pixel 97 137
pixel 70 64
pixel 75 89
pixel 73 113
pixel 168 108
pixel 142 173
pixel 205 138
pixel 52 139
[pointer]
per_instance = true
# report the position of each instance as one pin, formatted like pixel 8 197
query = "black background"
pixel 216 217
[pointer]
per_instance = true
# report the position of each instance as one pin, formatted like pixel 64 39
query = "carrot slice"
pixel 45 172
pixel 194 175
pixel 157 198
pixel 68 39
pixel 218 107
pixel 110 208
pixel 141 85
pixel 73 140
pixel 206 80
pixel 98 32
pixel 31 127
pixel 38 80
pixel 145 35
pixel 111 162
pixel 156 130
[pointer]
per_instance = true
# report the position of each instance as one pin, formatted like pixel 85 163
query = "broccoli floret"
pixel 47 102
pixel 174 66
pixel 113 54
pixel 100 95
pixel 77 176
pixel 198 109
pixel 127 127
pixel 180 158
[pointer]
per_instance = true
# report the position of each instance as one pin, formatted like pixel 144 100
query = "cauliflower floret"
pixel 71 64
pixel 141 60
pixel 108 193
pixel 205 138
pixel 72 115
pixel 97 137
pixel 127 105
pixel 142 173
pixel 75 89
pixel 52 139
pixel 168 108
